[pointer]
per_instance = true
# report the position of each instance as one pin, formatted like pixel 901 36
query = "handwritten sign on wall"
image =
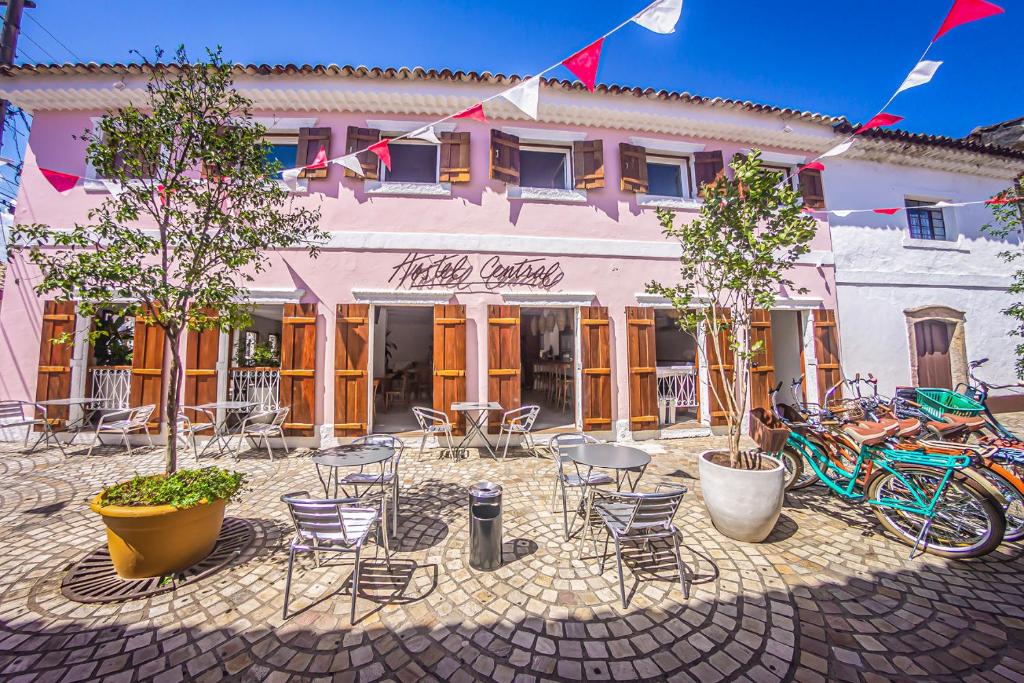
pixel 455 271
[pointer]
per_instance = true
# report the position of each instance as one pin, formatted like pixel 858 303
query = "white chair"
pixel 640 518
pixel 22 414
pixel 187 429
pixel 339 525
pixel 124 422
pixel 572 479
pixel 434 422
pixel 519 421
pixel 262 426
pixel 389 476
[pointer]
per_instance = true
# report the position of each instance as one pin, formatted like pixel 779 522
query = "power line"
pixel 55 38
pixel 45 51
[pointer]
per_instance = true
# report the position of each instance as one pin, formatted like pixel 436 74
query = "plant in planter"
pixel 737 253
pixel 194 214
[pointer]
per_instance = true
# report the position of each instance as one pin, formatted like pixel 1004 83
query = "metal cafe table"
pixel 477 424
pixel 221 429
pixel 351 455
pixel 606 456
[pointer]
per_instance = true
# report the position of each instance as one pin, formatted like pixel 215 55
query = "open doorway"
pixel 110 360
pixel 787 339
pixel 403 352
pixel 676 355
pixel 548 349
pixel 255 375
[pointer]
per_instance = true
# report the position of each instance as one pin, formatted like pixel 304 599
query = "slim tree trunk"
pixel 173 400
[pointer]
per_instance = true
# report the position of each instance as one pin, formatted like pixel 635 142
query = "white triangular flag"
pixel 838 149
pixel 426 133
pixel 349 161
pixel 661 16
pixel 113 187
pixel 842 213
pixel 921 74
pixel 526 96
pixel 290 176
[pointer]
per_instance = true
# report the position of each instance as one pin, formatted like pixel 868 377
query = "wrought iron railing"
pixel 677 386
pixel 256 385
pixel 111 386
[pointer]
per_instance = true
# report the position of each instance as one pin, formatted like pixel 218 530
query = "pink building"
pixel 507 263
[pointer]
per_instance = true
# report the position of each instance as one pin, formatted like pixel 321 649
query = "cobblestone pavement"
pixel 828 596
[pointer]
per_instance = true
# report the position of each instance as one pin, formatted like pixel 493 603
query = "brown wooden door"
pixel 826 351
pixel 298 368
pixel 596 361
pixel 147 387
pixel 450 360
pixel 762 363
pixel 504 361
pixel 202 351
pixel 933 368
pixel 53 378
pixel 643 377
pixel 351 369
pixel 717 400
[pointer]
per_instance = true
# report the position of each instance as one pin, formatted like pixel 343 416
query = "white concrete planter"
pixel 743 504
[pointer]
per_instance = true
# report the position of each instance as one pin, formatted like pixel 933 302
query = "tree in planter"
pixel 195 213
pixel 1008 210
pixel 737 252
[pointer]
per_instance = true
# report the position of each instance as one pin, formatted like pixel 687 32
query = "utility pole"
pixel 9 45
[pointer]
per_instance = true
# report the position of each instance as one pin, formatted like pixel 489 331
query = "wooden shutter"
pixel 147 387
pixel 53 379
pixel 310 142
pixel 588 164
pixel 351 369
pixel 762 363
pixel 595 352
pixel 360 138
pixel 643 376
pixel 707 167
pixel 202 351
pixel 826 349
pixel 450 360
pixel 632 168
pixel 454 158
pixel 716 407
pixel 504 362
pixel 811 188
pixel 504 157
pixel 298 367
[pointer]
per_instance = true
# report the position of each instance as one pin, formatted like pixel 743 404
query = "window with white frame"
pixel 412 161
pixel 780 173
pixel 282 148
pixel 926 222
pixel 545 166
pixel 669 176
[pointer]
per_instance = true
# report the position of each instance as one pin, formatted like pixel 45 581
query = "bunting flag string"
pixel 476 113
pixel 382 151
pixel 584 64
pixel 889 211
pixel 921 74
pixel 964 12
pixel 62 182
pixel 661 17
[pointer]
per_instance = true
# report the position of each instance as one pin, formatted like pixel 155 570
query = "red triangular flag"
pixel 966 11
pixel 476 112
pixel 320 160
pixel 877 121
pixel 813 166
pixel 62 182
pixel 382 151
pixel 887 212
pixel 999 201
pixel 584 63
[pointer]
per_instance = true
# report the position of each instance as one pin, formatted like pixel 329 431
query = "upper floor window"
pixel 925 223
pixel 412 161
pixel 284 149
pixel 780 173
pixel 545 166
pixel 669 176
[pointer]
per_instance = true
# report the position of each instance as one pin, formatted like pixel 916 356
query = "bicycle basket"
pixel 767 430
pixel 847 409
pixel 938 402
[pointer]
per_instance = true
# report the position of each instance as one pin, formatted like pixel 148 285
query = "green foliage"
pixel 737 255
pixel 113 341
pixel 196 217
pixel 263 355
pixel 1009 225
pixel 183 489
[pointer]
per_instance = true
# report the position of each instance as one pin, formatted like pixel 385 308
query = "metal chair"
pixel 262 426
pixel 22 414
pixel 639 518
pixel 434 422
pixel 518 421
pixel 389 477
pixel 338 525
pixel 572 480
pixel 136 420
pixel 187 429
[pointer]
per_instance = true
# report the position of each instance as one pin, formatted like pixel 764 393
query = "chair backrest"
pixel 280 415
pixel 568 440
pixel 651 510
pixel 426 417
pixel 318 518
pixel 389 440
pixel 141 414
pixel 524 416
pixel 13 410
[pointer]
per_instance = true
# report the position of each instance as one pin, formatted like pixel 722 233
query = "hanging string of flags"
pixel 661 16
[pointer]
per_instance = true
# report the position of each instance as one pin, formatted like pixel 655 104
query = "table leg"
pixel 323 483
pixel 481 429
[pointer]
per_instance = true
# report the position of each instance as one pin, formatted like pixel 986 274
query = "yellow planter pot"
pixel 155 540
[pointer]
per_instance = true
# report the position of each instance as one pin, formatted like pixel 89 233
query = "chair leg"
pixel 423 442
pixel 149 437
pixel 508 437
pixel 565 513
pixel 288 582
pixel 622 581
pixel 355 589
pixel 604 553
pixel 683 583
pixel 127 443
pixel 95 441
pixel 284 441
pixel 270 451
pixel 394 505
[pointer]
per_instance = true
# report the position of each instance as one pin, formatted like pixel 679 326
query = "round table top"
pixel 607 455
pixel 353 455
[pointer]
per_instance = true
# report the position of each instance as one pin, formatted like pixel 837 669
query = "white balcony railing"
pixel 111 387
pixel 677 386
pixel 256 385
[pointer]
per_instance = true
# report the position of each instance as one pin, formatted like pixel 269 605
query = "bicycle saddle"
pixel 866 433
pixel 900 427
pixel 973 423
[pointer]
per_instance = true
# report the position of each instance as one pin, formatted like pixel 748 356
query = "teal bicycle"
pixel 924 499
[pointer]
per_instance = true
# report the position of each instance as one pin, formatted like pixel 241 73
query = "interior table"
pixel 475 424
pixel 351 455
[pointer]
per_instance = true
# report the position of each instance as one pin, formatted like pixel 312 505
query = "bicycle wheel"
pixel 797 475
pixel 1013 499
pixel 968 521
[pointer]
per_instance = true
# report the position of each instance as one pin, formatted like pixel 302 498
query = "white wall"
pixel 787 340
pixel 880 272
